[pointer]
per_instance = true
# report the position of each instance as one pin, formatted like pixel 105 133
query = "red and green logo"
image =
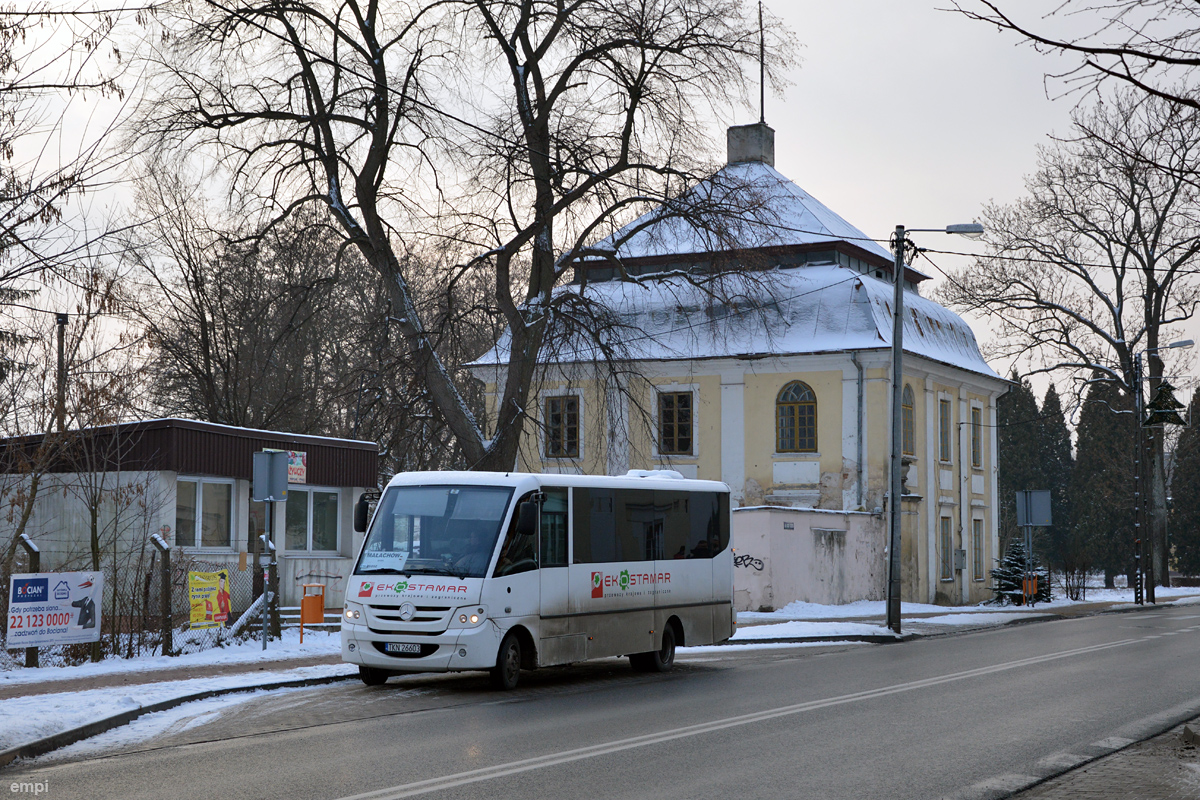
pixel 597 584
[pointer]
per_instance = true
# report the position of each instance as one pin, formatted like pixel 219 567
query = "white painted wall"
pixel 825 557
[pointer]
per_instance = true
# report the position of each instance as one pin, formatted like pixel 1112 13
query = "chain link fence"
pixel 134 620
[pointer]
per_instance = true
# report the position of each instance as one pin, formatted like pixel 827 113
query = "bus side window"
pixel 554 527
pixel 518 553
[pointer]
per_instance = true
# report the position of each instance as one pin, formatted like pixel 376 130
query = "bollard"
pixel 35 565
pixel 165 590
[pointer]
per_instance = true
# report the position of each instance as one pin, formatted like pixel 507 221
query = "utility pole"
pixel 1143 547
pixel 893 587
pixel 60 409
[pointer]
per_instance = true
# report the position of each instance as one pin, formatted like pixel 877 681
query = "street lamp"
pixel 973 230
pixel 1143 546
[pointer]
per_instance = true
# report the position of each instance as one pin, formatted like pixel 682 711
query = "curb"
pixel 55 741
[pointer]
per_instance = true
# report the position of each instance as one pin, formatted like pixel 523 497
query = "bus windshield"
pixel 435 530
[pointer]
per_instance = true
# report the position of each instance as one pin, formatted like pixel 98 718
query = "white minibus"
pixel 511 571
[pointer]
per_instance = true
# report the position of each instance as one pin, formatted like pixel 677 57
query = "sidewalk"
pixel 1163 768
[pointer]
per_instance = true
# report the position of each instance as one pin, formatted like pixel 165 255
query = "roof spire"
pixel 762 69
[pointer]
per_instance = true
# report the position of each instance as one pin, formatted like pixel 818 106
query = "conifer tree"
pixel 1064 550
pixel 1185 496
pixel 1018 454
pixel 1101 487
pixel 1009 575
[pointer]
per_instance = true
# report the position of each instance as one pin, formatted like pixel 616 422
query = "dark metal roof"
pixel 191 448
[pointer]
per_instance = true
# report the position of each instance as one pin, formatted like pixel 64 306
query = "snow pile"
pixel 807 630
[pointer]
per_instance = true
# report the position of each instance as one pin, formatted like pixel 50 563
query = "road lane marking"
pixel 606 748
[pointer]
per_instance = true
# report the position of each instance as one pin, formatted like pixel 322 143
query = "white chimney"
pixel 754 142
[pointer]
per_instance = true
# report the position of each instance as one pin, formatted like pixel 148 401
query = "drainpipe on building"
pixel 858 440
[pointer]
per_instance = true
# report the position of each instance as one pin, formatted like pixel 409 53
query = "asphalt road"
pixel 970 715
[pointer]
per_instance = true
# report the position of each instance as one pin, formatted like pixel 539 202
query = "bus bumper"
pixel 456 649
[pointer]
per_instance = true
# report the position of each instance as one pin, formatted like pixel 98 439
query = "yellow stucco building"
pixel 772 374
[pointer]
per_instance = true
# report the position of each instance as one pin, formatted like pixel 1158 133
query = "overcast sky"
pixel 904 114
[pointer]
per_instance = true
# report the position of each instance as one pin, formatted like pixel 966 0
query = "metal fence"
pixel 147 612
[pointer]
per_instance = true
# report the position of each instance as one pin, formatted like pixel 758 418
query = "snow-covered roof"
pixel 775 213
pixel 812 309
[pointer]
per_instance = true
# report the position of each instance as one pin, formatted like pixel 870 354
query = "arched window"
pixel 906 422
pixel 796 419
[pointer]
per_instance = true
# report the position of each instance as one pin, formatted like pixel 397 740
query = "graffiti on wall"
pixel 748 561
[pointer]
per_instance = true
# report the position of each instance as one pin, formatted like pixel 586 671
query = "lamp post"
pixel 973 230
pixel 1143 545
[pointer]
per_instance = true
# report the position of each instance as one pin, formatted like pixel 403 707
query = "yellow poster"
pixel 209 596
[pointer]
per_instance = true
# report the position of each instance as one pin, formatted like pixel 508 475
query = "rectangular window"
pixel 311 519
pixel 947 550
pixel 562 427
pixel 647 525
pixel 977 438
pixel 203 513
pixel 944 445
pixel 185 513
pixel 675 423
pixel 977 549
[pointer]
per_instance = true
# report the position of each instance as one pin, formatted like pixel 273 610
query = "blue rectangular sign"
pixel 30 590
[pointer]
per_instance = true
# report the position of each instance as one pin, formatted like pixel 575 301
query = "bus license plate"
pixel 401 647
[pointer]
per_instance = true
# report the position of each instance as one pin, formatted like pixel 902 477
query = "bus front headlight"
pixel 354 613
pixel 471 616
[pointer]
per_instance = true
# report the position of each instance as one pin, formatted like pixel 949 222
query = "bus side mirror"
pixel 527 514
pixel 361 513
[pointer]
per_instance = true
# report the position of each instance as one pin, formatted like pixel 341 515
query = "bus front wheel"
pixel 372 676
pixel 659 660
pixel 507 671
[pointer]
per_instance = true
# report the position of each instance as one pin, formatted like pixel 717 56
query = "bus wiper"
pixel 460 574
pixel 381 571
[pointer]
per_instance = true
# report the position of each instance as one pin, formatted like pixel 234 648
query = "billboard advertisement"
pixel 49 608
pixel 208 593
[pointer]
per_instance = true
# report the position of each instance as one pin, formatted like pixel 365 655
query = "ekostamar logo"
pixel 365 589
pixel 626 580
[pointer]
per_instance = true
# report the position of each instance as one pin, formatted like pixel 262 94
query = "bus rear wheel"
pixel 373 676
pixel 659 660
pixel 507 672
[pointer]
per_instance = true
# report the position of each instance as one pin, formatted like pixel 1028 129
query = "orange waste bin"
pixel 312 606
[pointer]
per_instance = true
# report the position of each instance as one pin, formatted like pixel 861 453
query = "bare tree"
pixel 518 131
pixel 1099 262
pixel 1153 45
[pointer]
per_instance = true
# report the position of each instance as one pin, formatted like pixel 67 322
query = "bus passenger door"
pixel 556 645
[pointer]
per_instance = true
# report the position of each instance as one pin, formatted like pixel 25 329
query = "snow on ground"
pixel 1183 595
pixel 160 724
pixel 25 719
pixel 316 643
pixel 797 629
pixel 859 608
